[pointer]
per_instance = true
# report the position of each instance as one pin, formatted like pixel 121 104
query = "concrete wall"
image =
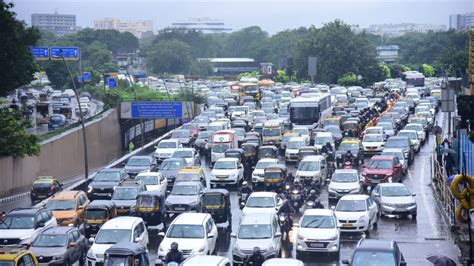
pixel 63 156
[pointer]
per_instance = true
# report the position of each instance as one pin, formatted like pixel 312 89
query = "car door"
pixel 71 253
pixel 163 183
pixel 375 195
pixel 276 234
pixel 143 234
pixel 240 171
pixel 372 207
pixel 211 241
pixel 397 168
pixel 80 243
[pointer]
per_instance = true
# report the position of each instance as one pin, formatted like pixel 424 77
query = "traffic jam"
pixel 266 174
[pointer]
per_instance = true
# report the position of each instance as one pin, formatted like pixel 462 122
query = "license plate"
pixel 316 245
pixel 272 180
pixel 41 196
pixel 375 181
pixel 400 210
pixel 179 209
pixel 347 225
pixel 102 194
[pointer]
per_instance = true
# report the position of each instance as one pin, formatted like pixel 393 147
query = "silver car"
pixel 399 154
pixel 394 198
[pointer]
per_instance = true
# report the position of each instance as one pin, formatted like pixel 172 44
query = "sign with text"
pixel 149 110
pixel 112 83
pixel 69 53
pixel 40 52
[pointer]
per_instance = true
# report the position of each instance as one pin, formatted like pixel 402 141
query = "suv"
pixel 344 182
pixel 17 256
pixel 356 213
pixel 257 230
pixel 170 168
pixel 318 232
pixel 68 207
pixel 312 168
pixel 125 196
pixel 121 229
pixel 227 171
pixel 60 245
pixel 372 252
pixel 44 187
pixel 399 142
pixel 22 225
pixel 350 144
pixel 292 148
pixel 137 164
pixel 382 169
pixel 102 186
pixel 184 197
pixel 165 149
pixel 195 233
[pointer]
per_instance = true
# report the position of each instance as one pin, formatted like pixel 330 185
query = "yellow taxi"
pixel 332 121
pixel 191 173
pixel 15 256
pixel 350 144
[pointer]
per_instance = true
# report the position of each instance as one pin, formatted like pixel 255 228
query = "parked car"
pixel 68 207
pixel 104 181
pixel 382 169
pixel 344 182
pixel 394 198
pixel 356 213
pixel 372 252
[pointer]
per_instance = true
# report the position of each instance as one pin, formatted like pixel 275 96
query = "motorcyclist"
pixel 317 204
pixel 256 259
pixel 174 255
pixel 349 156
pixel 312 195
pixel 290 178
pixel 285 208
pixel 328 150
pixel 245 189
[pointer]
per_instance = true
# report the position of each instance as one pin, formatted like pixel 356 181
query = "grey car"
pixel 137 164
pixel 125 196
pixel 170 168
pixel 184 197
pixel 184 136
pixel 399 142
pixel 394 198
pixel 102 186
pixel 60 246
pixel 202 140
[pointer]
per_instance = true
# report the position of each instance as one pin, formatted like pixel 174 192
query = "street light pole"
pixel 84 139
pixel 142 131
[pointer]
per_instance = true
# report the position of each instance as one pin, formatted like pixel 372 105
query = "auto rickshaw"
pixel 269 151
pixel 351 126
pixel 253 134
pixel 274 177
pixel 235 153
pixel 307 150
pixel 151 207
pixel 217 203
pixel 97 213
pixel 127 254
pixel 332 121
pixel 250 153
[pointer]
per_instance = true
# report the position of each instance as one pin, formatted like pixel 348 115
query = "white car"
pixel 153 181
pixel 293 147
pixel 388 128
pixel 344 182
pixel 373 143
pixel 262 202
pixel 259 170
pixel 189 154
pixel 70 92
pixel 283 262
pixel 356 213
pixel 412 135
pixel 304 133
pixel 195 233
pixel 374 130
pixel 414 96
pixel 399 154
pixel 227 171
pixel 56 93
pixel 322 138
pixel 318 232
pixel 419 129
pixel 120 229
pixel 166 148
pixel 84 100
pixel 208 260
pixel 312 167
pixel 256 230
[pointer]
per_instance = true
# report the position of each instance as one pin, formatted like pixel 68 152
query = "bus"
pixel 413 78
pixel 307 111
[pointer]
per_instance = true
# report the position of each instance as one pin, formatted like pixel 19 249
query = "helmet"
pixel 174 246
pixel 256 251
pixel 327 143
pixel 312 192
pixel 245 183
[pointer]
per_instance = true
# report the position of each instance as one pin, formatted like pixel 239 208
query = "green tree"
pixel 428 70
pixel 281 76
pixel 386 70
pixel 16 62
pixel 349 79
pixel 15 140
pixel 246 43
pixel 170 56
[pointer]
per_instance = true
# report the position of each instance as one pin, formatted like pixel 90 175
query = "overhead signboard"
pixel 69 53
pixel 40 52
pixel 153 110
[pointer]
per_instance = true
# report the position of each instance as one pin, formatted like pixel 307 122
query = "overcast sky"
pixel 270 15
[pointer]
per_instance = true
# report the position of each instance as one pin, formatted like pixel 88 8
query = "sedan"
pixel 343 182
pixel 373 143
pixel 356 213
pixel 394 198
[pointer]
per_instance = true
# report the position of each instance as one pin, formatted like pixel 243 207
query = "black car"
pixel 56 121
pixel 102 186
pixel 60 246
pixel 372 252
pixel 44 187
pixel 125 196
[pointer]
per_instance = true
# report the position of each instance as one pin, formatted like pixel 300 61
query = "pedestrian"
pixel 448 163
pixel 131 146
pixel 446 143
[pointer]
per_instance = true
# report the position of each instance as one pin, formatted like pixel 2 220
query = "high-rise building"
pixel 205 25
pixel 56 23
pixel 461 21
pixel 139 28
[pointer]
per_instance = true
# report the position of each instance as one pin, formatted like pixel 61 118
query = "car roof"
pixel 58 230
pixel 66 195
pixel 346 171
pixel 110 170
pixel 228 159
pixel 25 211
pixel 354 197
pixel 141 157
pixel 283 262
pixel 169 140
pixel 185 149
pixel 313 158
pixel 374 244
pixel 297 139
pixel 262 194
pixel 122 222
pixel 257 218
pixel 382 157
pixel 191 218
pixel 392 185
pixel 124 248
pixel 187 183
pixel 392 150
pixel 204 260
pixel 267 160
pixel 326 212
pixel 148 174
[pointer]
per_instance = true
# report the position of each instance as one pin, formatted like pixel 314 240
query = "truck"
pixel 272 132
pixel 221 141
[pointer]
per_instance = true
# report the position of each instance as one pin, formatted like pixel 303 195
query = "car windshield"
pixel 170 165
pixel 344 146
pixel 333 129
pixel 386 126
pixel 397 154
pixel 271 132
pixel 138 162
pixel 125 193
pixel 112 236
pixel 373 131
pixel 149 179
pixel 373 258
pixel 180 134
pixel 117 260
pixel 146 201
pixel 308 166
pixel 409 135
pixel 351 206
pixel 56 118
pixel 47 240
pixel 205 135
pixel 302 131
pixel 255 231
pixel 414 127
pixel 212 199
pixel 287 138
pixel 323 140
pixel 344 177
pixel 7 263
pixel 318 221
pixel 395 191
pixel 167 145
pixel 220 147
pixel 396 143
pixel 96 214
pixel 225 165
pixel 17 222
pixel 186 231
pixel 182 154
pixel 107 177
pixel 184 190
pixel 373 138
pixel 260 202
pixel 42 184
pixel 263 165
pixel 296 144
pixel 379 164
pixel 60 205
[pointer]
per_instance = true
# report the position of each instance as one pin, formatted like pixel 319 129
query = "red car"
pixel 382 169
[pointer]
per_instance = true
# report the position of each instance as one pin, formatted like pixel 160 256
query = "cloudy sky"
pixel 271 15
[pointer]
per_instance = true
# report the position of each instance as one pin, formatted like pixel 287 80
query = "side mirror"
pixel 72 244
pixel 278 234
pixel 242 205
pixel 414 194
pixel 162 234
pixel 346 262
pixel 91 240
pixel 210 236
pixel 41 224
pixel 233 235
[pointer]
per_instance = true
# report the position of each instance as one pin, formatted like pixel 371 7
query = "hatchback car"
pixel 44 187
pixel 166 148
pixel 184 136
pixel 137 164
pixel 293 147
pixel 373 143
pixel 60 245
pixel 412 135
pixel 394 198
pixel 17 257
pixel 188 154
pixel 184 197
pixel 104 181
pixel 170 168
pixel 399 142
pixel 399 154
pixel 382 169
pixel 356 213
pixel 154 181
pixel 419 129
pixel 227 171
pixel 125 196
pixel 195 233
pixel 68 207
pixel 372 252
pixel 262 202
pixel 344 182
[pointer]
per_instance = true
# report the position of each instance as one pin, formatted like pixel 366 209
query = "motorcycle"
pixel 243 199
pixel 296 198
pixel 286 223
pixel 348 163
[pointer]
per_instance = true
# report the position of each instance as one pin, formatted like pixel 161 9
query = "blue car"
pixel 56 121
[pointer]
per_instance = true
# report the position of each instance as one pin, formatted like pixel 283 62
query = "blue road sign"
pixel 87 76
pixel 79 79
pixel 112 82
pixel 69 53
pixel 40 52
pixel 153 110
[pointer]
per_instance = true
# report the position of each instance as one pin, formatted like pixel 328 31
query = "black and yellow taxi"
pixel 44 187
pixel 350 144
pixel 16 256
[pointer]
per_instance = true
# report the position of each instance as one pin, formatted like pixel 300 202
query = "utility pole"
pixel 142 129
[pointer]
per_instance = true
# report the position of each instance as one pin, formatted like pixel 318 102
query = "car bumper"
pixel 398 210
pixel 376 150
pixel 94 262
pixel 292 157
pixel 226 180
pixel 353 227
pixel 257 179
pixel 182 209
pixel 336 195
pixel 317 246
pixel 241 258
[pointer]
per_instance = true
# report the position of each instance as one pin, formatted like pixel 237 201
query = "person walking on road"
pixel 448 163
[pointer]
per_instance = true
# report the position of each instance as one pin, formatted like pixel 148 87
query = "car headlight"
pixel 194 202
pixel 59 257
pixel 362 219
pixel 89 189
pixel 202 249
